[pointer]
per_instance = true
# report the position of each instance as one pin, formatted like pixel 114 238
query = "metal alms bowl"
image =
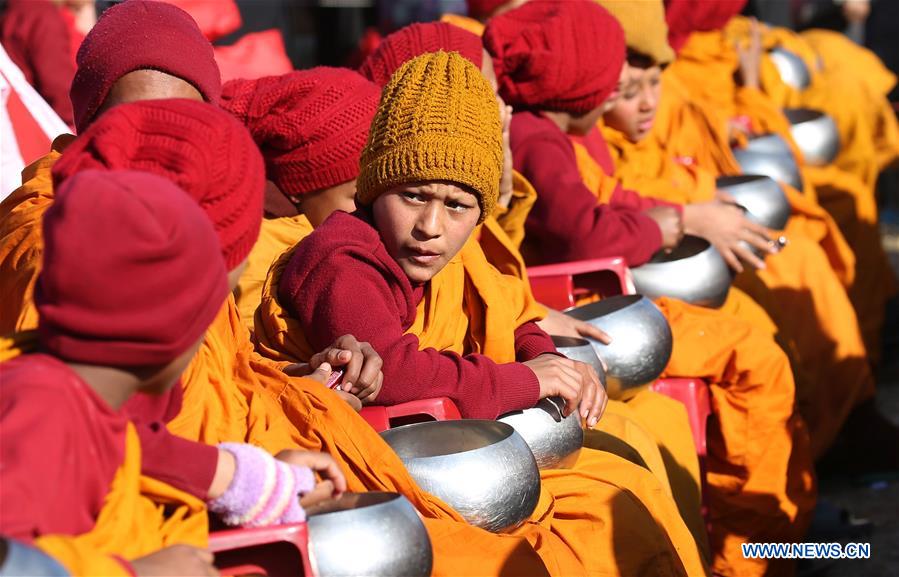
pixel 641 341
pixel 769 155
pixel 815 134
pixel 386 535
pixel 694 272
pixel 554 440
pixel 763 199
pixel 483 469
pixel 791 67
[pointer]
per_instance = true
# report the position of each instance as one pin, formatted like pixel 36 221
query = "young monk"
pixel 811 307
pixel 458 374
pixel 71 460
pixel 706 67
pixel 707 343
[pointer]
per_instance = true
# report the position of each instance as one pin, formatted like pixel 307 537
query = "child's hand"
pixel 175 560
pixel 333 482
pixel 361 365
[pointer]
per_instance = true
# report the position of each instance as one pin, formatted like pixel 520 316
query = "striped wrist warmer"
pixel 264 490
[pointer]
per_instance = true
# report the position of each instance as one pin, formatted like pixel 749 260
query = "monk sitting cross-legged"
pixel 760 484
pixel 409 251
pixel 111 325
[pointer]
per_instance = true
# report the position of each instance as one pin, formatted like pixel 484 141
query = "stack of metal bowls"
pixel 386 533
pixel 482 469
pixel 791 67
pixel 763 199
pixel 641 341
pixel 815 134
pixel 694 272
pixel 770 155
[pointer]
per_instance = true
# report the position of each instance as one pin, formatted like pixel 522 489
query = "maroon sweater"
pixel 61 447
pixel 566 222
pixel 341 280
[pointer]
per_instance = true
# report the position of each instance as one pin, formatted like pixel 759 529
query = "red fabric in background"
pixel 255 55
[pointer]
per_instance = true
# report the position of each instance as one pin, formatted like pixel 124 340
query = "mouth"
pixel 646 124
pixel 422 256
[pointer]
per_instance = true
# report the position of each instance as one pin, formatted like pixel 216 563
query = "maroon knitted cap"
pixel 137 35
pixel 685 17
pixel 311 125
pixel 415 40
pixel 484 8
pixel 556 55
pixel 198 146
pixel 131 273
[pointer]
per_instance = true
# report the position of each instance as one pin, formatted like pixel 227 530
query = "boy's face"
pixel 425 225
pixel 635 110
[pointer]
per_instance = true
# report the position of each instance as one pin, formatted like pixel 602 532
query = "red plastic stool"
pixel 694 394
pixel 281 550
pixel 561 285
pixel 436 409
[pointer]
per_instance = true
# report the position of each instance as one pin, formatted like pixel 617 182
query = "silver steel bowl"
pixel 763 199
pixel 386 535
pixel 815 134
pixel 22 559
pixel 694 272
pixel 791 67
pixel 580 350
pixel 770 155
pixel 554 440
pixel 483 469
pixel 641 341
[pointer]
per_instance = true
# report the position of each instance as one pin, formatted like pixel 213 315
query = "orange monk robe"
pixel 587 513
pixel 798 289
pixel 706 65
pixel 230 393
pixel 275 236
pixel 465 23
pixel 761 487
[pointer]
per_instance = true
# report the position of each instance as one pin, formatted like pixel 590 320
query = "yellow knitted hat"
pixel 644 27
pixel 438 120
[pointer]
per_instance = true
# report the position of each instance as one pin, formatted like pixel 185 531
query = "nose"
pixel 430 221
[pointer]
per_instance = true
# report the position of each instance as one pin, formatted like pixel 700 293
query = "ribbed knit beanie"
pixel 311 125
pixel 563 56
pixel 131 271
pixel 438 119
pixel 416 39
pixel 137 35
pixel 688 16
pixel 645 29
pixel 198 146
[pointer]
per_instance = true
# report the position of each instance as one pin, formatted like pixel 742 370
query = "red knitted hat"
pixel 131 273
pixel 137 35
pixel 415 40
pixel 483 8
pixel 563 56
pixel 311 125
pixel 687 16
pixel 198 146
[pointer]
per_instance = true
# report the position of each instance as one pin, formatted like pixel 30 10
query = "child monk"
pixel 707 342
pixel 811 307
pixel 476 106
pixel 109 326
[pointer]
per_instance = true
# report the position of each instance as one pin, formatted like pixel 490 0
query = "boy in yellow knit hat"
pixel 448 324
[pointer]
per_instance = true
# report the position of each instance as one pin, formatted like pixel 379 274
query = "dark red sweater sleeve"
pixel 531 341
pixel 183 464
pixel 340 282
pixel 566 222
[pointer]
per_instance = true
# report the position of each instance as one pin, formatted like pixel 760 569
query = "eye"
pixel 457 206
pixel 413 197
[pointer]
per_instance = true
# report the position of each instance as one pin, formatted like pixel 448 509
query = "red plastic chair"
pixel 561 285
pixel 281 550
pixel 436 409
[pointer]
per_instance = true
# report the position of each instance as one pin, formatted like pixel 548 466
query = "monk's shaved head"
pixel 148 85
